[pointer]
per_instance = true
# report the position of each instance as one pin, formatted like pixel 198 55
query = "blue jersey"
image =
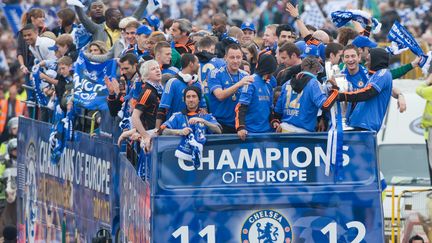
pixel 170 70
pixel 258 96
pixel 180 120
pixel 224 110
pixel 172 97
pixel 357 80
pixel 301 109
pixel 205 70
pixel 370 114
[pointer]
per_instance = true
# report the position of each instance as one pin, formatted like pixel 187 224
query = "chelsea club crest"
pixel 266 226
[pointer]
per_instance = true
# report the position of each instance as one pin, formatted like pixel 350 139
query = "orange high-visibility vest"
pixel 19 110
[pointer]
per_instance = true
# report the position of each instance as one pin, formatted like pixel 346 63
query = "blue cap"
pixel 301 45
pixel 314 50
pixel 144 29
pixel 53 48
pixel 311 50
pixel 248 26
pixel 362 41
pixel 153 21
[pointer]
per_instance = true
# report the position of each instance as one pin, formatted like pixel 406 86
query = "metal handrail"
pixel 393 216
pixel 399 210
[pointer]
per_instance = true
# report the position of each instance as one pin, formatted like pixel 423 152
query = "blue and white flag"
pixel 13 13
pixel 41 98
pixel 81 36
pixel 90 91
pixel 61 132
pixel 191 146
pixel 342 17
pixel 401 39
pixel 335 143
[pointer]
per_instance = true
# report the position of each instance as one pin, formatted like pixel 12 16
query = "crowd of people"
pixel 233 67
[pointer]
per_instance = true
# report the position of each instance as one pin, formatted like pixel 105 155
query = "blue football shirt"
pixel 259 98
pixel 224 110
pixel 179 120
pixel 301 109
pixel 370 114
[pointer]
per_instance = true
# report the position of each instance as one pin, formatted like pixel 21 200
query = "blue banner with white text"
pixel 72 199
pixel 269 188
pixel 90 91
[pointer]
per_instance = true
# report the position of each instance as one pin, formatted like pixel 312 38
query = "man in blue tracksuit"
pixel 254 110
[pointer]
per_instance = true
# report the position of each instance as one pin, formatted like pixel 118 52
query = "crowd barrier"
pixel 269 188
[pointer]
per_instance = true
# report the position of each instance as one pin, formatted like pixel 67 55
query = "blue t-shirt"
pixel 224 110
pixel 180 120
pixel 301 109
pixel 172 97
pixel 259 98
pixel 370 114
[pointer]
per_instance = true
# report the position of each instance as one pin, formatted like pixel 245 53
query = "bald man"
pixel 322 36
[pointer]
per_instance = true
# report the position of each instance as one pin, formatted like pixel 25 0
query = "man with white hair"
pixel 144 114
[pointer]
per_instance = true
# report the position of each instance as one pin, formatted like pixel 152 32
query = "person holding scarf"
pixel 180 122
pixel 192 124
pixel 102 25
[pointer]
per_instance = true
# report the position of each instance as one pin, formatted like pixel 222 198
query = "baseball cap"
pixel 153 21
pixel 311 50
pixel 144 29
pixel 248 26
pixel 362 41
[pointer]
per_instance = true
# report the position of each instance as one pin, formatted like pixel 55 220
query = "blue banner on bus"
pixel 70 201
pixel 269 188
pixel 135 204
